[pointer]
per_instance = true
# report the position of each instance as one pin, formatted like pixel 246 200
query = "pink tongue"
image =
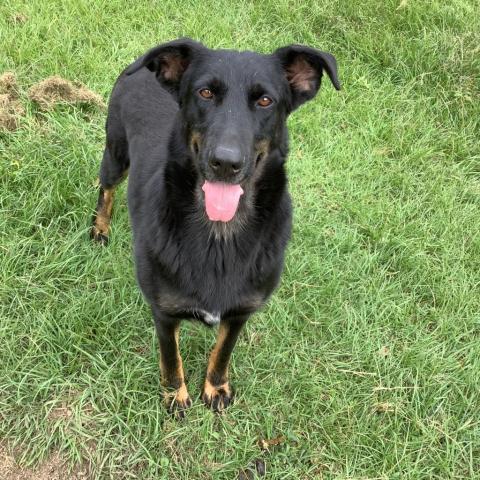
pixel 221 200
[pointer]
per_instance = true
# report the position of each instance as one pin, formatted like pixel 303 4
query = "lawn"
pixel 366 362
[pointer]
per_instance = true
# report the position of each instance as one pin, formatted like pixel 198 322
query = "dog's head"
pixel 234 106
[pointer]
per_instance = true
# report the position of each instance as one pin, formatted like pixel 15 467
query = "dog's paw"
pixel 98 236
pixel 177 402
pixel 217 397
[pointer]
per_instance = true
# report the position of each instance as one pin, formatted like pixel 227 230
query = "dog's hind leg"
pixel 113 170
pixel 176 394
pixel 217 393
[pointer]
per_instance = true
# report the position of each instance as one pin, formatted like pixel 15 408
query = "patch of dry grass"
pixel 11 109
pixel 57 90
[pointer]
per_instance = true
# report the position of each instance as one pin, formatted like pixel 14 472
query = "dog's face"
pixel 234 106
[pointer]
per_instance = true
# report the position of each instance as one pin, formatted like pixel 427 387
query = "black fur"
pixel 167 134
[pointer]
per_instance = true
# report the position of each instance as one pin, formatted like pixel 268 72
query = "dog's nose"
pixel 226 161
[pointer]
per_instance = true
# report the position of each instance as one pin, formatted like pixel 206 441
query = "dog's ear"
pixel 169 61
pixel 304 68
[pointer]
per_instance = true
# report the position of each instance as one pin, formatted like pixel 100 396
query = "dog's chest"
pixel 210 303
pixel 203 277
pixel 210 314
pixel 207 317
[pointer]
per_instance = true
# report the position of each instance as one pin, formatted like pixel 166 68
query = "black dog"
pixel 204 138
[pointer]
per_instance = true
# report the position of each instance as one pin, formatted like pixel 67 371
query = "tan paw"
pixel 178 401
pixel 98 235
pixel 217 397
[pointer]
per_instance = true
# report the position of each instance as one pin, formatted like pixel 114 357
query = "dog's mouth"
pixel 221 200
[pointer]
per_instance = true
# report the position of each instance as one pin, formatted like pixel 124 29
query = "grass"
pixel 367 359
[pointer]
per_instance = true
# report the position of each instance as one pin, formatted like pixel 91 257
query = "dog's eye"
pixel 264 101
pixel 206 93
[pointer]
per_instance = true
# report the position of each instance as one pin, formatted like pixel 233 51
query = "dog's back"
pixel 140 118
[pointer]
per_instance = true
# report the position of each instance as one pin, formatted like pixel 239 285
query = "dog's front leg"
pixel 171 366
pixel 217 393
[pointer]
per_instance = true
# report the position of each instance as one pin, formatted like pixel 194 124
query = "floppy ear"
pixel 169 61
pixel 304 68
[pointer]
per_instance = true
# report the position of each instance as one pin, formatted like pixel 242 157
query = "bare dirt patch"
pixel 62 413
pixel 57 90
pixel 10 107
pixel 53 468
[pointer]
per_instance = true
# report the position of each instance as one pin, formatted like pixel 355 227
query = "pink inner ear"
pixel 300 74
pixel 173 66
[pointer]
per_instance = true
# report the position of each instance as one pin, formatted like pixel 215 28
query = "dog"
pixel 202 134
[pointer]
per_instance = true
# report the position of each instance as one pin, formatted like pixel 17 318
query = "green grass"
pixel 385 178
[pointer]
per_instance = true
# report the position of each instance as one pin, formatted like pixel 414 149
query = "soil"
pixel 11 110
pixel 55 90
pixel 53 468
